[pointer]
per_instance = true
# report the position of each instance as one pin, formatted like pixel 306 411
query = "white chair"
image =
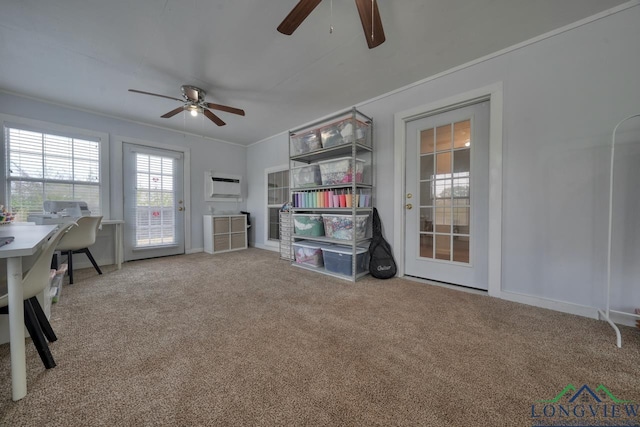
pixel 78 240
pixel 34 282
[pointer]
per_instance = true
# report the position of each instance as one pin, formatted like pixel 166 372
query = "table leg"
pixel 16 328
pixel 119 250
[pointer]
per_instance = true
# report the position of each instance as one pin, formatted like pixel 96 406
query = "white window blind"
pixel 46 166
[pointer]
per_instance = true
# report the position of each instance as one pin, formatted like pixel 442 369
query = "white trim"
pixel 564 307
pixel 266 248
pixel 119 140
pixel 494 94
pixel 43 126
pixel 193 251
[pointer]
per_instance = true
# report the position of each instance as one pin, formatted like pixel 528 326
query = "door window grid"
pixel 155 201
pixel 46 166
pixel 445 208
pixel 277 195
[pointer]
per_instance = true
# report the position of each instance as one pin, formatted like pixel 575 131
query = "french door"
pixel 153 202
pixel 446 200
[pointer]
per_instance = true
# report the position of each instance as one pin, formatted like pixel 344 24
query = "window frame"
pixel 267 206
pixel 62 130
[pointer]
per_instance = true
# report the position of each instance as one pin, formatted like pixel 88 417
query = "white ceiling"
pixel 87 53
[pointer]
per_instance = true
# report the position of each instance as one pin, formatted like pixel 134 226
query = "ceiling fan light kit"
pixel 194 102
pixel 367 9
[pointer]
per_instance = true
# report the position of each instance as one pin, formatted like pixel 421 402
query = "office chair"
pixel 78 240
pixel 34 282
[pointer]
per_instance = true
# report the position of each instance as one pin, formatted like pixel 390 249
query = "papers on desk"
pixel 6 240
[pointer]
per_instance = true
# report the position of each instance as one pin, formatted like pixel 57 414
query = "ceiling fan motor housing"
pixel 193 93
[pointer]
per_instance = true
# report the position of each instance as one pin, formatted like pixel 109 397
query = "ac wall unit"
pixel 222 187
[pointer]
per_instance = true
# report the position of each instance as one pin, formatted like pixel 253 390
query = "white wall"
pixel 562 97
pixel 206 154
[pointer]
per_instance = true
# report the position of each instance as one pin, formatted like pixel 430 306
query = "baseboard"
pixel 193 251
pixel 564 307
pixel 623 319
pixel 266 247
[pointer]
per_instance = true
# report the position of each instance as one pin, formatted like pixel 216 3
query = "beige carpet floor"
pixel 244 339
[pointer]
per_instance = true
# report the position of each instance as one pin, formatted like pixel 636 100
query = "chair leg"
pixel 42 320
pixel 70 265
pixel 31 322
pixel 93 261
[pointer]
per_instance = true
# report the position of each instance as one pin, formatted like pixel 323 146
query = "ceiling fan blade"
pixel 372 27
pixel 225 108
pixel 155 94
pixel 297 15
pixel 173 112
pixel 215 119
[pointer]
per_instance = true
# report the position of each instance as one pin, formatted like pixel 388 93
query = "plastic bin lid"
pixel 328 215
pixel 345 250
pixel 310 165
pixel 340 158
pixel 311 245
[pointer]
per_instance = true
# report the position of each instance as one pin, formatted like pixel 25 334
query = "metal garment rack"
pixel 605 314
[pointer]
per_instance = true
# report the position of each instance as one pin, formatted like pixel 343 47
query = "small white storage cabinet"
pixel 224 233
pixel 331 181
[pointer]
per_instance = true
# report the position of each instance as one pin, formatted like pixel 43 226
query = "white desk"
pixel 28 239
pixel 117 223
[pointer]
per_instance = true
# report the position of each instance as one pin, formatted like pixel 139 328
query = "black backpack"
pixel 381 263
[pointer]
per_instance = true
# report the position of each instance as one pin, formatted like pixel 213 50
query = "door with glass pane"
pixel 446 200
pixel 277 195
pixel 153 202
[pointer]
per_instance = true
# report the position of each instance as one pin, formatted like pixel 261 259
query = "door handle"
pixel 181 208
pixel 409 206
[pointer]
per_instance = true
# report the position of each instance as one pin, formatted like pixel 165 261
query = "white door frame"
pixel 494 94
pixel 118 170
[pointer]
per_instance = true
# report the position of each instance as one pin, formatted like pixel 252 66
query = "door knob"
pixel 409 206
pixel 409 195
pixel 181 208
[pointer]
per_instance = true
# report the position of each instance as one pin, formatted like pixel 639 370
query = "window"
pixel 277 195
pixel 52 164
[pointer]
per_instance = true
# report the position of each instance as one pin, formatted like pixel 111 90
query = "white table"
pixel 28 239
pixel 117 223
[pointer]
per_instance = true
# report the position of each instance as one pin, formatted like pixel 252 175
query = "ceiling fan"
pixel 193 101
pixel 369 16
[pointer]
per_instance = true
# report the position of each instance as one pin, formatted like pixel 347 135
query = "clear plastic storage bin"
pixel 341 171
pixel 308 253
pixel 306 176
pixel 305 142
pixel 337 259
pixel 308 225
pixel 341 226
pixel 342 133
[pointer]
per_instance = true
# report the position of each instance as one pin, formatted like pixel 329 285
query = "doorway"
pixel 447 196
pixel 154 205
